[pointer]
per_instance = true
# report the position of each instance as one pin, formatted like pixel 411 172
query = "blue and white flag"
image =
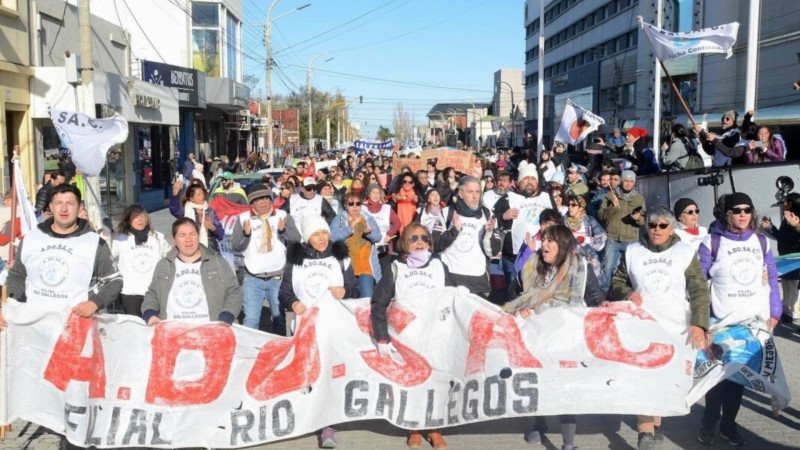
pixel 668 45
pixel 363 145
pixel 88 139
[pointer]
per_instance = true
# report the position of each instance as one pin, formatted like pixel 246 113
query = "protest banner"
pixel 111 381
pixel 227 213
pixel 459 160
pixel 430 154
pixel 414 164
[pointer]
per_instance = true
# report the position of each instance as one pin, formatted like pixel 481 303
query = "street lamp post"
pixel 268 42
pixel 511 114
pixel 308 82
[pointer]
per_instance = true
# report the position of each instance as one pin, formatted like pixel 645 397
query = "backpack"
pixel 694 160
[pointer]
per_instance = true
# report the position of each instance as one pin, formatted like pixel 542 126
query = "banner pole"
pixel 677 93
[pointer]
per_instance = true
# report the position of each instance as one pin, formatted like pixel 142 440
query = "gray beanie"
pixel 628 175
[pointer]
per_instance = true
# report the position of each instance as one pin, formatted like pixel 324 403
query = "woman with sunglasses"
pixel 286 192
pixel 375 206
pixel 415 272
pixel 557 197
pixel 556 277
pixel 688 229
pixel 664 272
pixel 360 232
pixel 744 289
pixel 405 199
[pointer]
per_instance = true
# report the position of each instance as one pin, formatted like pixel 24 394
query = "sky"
pixel 414 52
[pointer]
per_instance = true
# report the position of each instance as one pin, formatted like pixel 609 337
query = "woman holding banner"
pixel 744 291
pixel 664 272
pixel 314 269
pixel 415 272
pixel 557 276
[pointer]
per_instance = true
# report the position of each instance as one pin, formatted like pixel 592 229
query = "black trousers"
pixel 132 304
pixel 726 397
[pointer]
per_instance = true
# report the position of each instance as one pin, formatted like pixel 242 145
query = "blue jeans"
pixel 612 253
pixel 511 278
pixel 254 290
pixel 366 284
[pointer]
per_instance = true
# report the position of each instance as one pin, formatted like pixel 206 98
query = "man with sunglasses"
pixel 688 229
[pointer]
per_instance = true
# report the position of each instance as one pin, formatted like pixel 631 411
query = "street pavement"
pixel 760 429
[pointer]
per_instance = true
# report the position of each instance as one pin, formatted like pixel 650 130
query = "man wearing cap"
pixel 517 215
pixel 575 182
pixel 306 202
pixel 261 233
pixel 230 190
pixel 622 213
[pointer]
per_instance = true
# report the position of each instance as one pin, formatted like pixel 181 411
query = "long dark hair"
pixel 566 246
pixel 191 190
pixel 131 212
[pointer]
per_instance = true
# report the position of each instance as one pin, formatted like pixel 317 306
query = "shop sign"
pixel 184 79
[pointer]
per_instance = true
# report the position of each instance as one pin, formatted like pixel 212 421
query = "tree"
pixel 322 103
pixel 384 133
pixel 401 122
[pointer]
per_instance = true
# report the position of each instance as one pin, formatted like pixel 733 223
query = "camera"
pixel 785 186
pixel 714 179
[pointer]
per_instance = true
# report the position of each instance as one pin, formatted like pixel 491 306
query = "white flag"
pixel 668 45
pixel 25 211
pixel 577 123
pixel 88 139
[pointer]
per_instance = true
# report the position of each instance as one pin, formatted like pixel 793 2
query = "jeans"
pixel 511 278
pixel 254 290
pixel 366 284
pixel 611 256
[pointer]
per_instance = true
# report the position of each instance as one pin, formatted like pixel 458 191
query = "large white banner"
pixel 577 123
pixel 88 139
pixel 668 45
pixel 111 381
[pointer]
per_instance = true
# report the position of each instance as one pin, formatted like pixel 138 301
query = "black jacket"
pixel 43 197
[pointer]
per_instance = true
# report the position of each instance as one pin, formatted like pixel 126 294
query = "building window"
pixel 608 98
pixel 628 95
pixel 206 55
pixel 232 47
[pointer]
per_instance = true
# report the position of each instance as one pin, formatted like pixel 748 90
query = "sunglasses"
pixel 353 203
pixel 746 210
pixel 662 226
pixel 408 182
pixel 573 205
pixel 417 237
pixel 557 195
pixel 692 212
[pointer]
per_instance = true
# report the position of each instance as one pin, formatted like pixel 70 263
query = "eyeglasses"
pixel 726 119
pixel 662 226
pixel 746 210
pixel 353 203
pixel 691 212
pixel 408 181
pixel 417 237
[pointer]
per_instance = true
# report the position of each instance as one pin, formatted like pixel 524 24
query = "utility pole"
pixel 268 42
pixel 328 124
pixel 86 103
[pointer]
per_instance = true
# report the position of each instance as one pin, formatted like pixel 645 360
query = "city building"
pixel 509 102
pixel 596 55
pixel 447 122
pixel 15 75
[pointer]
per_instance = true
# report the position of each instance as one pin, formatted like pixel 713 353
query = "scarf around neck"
pixel 198 213
pixel 140 236
pixel 464 210
pixel 562 286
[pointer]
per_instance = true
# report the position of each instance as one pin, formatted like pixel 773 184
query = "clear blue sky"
pixel 455 46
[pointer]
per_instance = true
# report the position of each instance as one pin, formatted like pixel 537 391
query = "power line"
pixel 395 82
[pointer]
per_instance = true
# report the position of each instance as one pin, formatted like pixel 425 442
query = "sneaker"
pixel 414 439
pixel 327 438
pixel 569 447
pixel 436 440
pixel 646 442
pixel 533 437
pixel 786 318
pixel 706 436
pixel 657 436
pixel 732 436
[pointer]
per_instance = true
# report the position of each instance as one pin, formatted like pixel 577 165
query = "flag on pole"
pixel 25 211
pixel 577 123
pixel 88 139
pixel 668 45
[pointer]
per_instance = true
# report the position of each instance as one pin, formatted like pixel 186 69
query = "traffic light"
pixel 360 99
